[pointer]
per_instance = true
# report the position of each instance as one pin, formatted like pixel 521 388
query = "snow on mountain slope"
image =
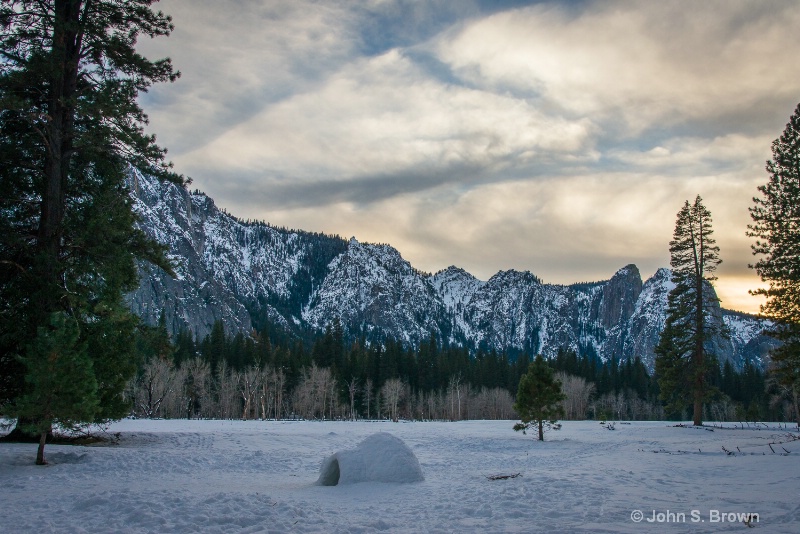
pixel 514 310
pixel 747 337
pixel 194 299
pixel 372 286
pixel 455 287
pixel 225 269
pixel 648 318
pixel 246 274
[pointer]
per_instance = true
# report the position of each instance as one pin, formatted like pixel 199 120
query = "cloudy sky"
pixel 556 137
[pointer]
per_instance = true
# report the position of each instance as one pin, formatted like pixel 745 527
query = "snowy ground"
pixel 237 476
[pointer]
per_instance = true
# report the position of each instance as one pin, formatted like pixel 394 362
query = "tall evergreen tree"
pixel 682 364
pixel 70 129
pixel 776 227
pixel 538 398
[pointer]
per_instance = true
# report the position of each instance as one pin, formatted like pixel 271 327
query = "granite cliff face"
pixel 246 274
pixel 225 269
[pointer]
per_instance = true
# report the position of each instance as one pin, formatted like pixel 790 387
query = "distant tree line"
pixel 271 375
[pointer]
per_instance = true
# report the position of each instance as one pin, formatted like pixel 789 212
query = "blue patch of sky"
pixel 407 23
pixel 496 6
pixel 431 66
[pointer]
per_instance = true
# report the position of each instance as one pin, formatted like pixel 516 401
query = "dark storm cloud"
pixel 366 189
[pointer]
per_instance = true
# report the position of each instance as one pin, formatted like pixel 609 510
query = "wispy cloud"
pixel 556 137
pixel 647 66
pixel 380 120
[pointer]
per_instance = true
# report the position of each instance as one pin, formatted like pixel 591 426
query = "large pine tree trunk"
pixel 65 56
pixel 541 430
pixel 699 343
pixel 699 383
pixel 796 398
pixel 698 408
pixel 40 452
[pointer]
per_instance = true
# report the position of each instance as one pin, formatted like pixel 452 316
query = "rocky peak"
pixel 620 295
pixel 455 286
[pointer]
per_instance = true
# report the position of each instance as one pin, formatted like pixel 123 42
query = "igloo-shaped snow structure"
pixel 379 458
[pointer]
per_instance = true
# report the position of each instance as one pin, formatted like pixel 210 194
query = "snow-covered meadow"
pixel 254 476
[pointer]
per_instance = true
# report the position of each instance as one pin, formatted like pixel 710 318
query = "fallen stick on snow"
pixel 503 477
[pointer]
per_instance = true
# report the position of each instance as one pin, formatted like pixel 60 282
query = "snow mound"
pixel 379 458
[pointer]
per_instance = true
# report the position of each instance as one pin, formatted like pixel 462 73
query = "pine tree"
pixel 153 342
pixel 538 398
pixel 682 364
pixel 63 387
pixel 216 347
pixel 776 227
pixel 70 130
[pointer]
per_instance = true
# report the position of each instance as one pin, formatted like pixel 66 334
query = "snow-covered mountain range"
pixel 250 274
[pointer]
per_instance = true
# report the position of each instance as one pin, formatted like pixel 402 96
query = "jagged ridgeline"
pixel 249 274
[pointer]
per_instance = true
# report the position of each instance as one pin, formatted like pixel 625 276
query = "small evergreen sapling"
pixel 63 388
pixel 539 398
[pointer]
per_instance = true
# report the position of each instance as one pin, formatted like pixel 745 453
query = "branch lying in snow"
pixel 738 426
pixel 787 438
pixel 776 440
pixel 503 477
pixel 728 452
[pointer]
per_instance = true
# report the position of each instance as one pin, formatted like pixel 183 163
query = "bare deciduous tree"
pixel 198 388
pixel 151 388
pixel 315 394
pixel 248 383
pixel 227 393
pixel 368 393
pixel 352 388
pixel 454 390
pixel 392 391
pixel 578 392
